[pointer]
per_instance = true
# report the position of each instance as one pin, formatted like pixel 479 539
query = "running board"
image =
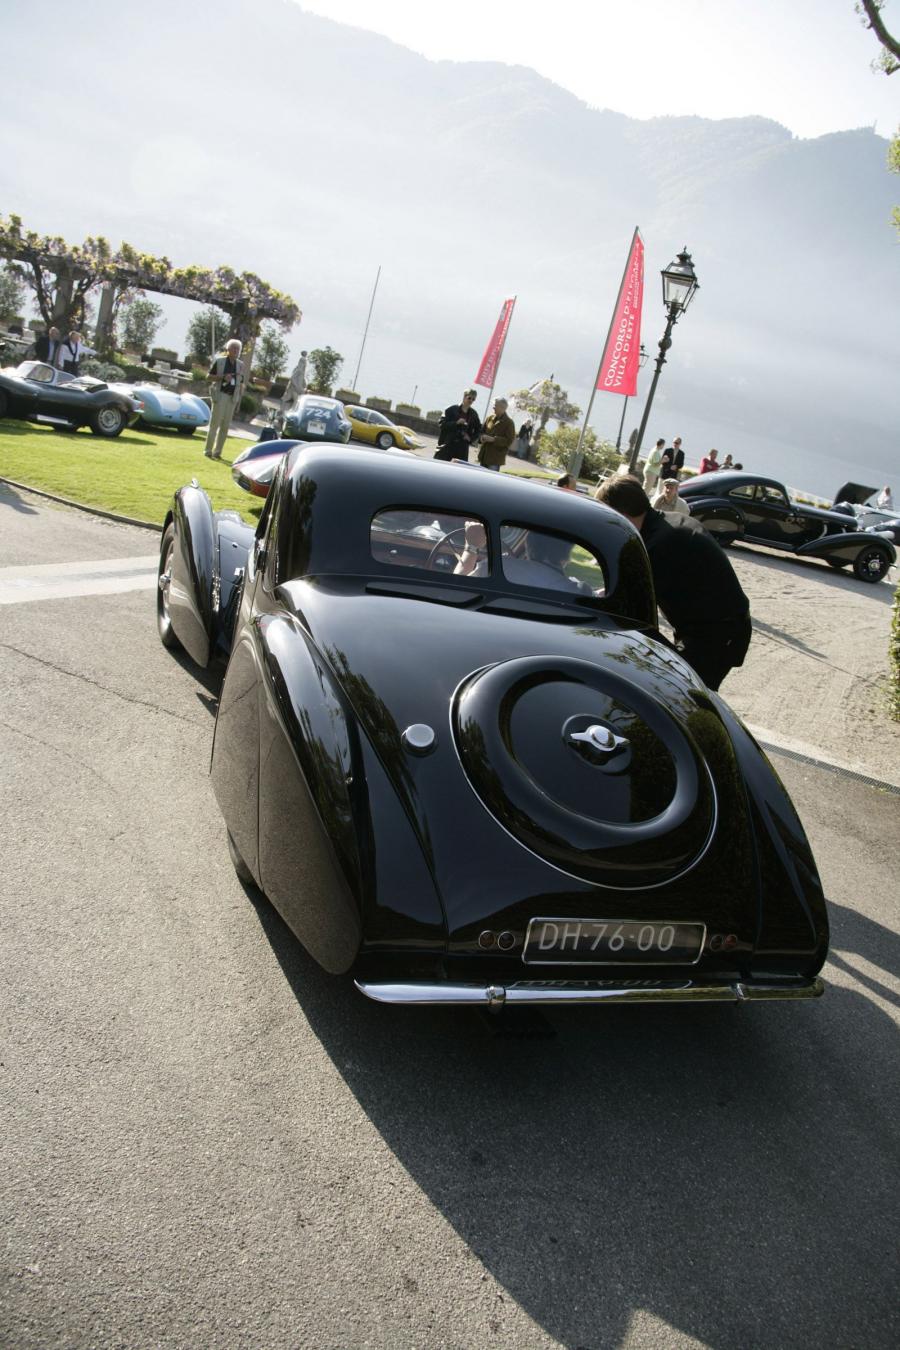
pixel 497 996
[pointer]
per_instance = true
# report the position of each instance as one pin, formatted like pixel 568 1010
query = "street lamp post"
pixel 680 285
pixel 642 361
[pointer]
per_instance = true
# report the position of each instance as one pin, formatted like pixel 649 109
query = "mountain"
pixel 275 141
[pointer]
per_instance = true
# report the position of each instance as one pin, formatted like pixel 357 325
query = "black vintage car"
pixel 746 508
pixel 458 757
pixel 37 392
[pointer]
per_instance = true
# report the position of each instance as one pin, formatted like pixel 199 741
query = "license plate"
pixel 612 942
pixel 318 427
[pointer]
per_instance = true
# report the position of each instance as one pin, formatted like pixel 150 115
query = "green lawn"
pixel 134 475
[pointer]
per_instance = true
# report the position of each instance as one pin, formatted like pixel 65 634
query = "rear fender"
pixel 194 586
pixel 793 917
pixel 845 546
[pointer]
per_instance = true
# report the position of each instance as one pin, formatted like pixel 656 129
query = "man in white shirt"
pixel 226 376
pixel 667 498
pixel 69 353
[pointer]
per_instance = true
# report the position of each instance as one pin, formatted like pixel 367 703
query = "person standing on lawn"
pixel 497 437
pixel 226 375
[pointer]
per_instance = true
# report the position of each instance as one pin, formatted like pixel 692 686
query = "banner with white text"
pixel 619 367
pixel 487 371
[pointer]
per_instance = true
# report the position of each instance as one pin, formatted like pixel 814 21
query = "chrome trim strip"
pixel 579 991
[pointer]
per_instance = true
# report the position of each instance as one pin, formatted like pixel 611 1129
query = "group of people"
pixel 461 428
pixel 64 353
pixel 666 462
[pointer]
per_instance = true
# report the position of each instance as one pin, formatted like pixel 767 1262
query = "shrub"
pixel 556 447
pixel 409 409
pixel 382 404
pixel 894 657
pixel 347 395
pixel 249 405
pixel 102 370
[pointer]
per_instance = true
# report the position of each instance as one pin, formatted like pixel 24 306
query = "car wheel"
pixel 186 431
pixel 163 620
pixel 243 871
pixel 385 441
pixel 108 421
pixel 871 564
pixel 837 563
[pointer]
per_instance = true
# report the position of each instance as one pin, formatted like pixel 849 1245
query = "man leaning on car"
pixel 696 587
pixel 226 375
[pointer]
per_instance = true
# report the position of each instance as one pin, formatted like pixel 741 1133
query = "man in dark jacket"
pixel 46 345
pixel 696 587
pixel 459 428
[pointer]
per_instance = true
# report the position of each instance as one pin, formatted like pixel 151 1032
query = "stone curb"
pixel 79 506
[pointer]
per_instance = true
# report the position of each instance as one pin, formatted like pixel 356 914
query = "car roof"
pixel 331 488
pixel 723 480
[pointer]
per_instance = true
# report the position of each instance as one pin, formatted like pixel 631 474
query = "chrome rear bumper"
pixel 499 996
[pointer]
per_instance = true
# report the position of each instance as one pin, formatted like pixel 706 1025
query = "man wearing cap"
pixel 226 375
pixel 668 500
pixel 696 587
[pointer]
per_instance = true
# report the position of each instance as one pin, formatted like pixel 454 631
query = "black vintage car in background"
pixel 37 392
pixel 747 508
pixel 454 751
pixel 313 417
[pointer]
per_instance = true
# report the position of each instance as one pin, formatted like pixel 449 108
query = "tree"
pixel 548 403
pixel 271 352
pixel 888 59
pixel 557 448
pixel 325 363
pixel 200 333
pixel 139 322
pixel 12 295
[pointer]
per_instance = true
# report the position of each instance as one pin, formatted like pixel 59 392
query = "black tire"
pixel 108 421
pixel 243 871
pixel 163 621
pixel 186 431
pixel 871 564
pixel 837 563
pixel 384 441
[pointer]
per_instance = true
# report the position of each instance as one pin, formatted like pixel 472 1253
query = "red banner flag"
pixel 487 371
pixel 619 367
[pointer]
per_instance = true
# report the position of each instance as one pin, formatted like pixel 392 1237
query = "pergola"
pixel 63 273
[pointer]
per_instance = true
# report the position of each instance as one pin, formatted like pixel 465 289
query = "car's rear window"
pixel 431 540
pixel 550 562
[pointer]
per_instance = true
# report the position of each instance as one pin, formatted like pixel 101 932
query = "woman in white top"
pixel 652 466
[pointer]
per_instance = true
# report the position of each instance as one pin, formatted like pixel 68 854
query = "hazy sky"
pixel 804 63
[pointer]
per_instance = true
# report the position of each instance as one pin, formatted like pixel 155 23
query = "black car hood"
pixel 855 493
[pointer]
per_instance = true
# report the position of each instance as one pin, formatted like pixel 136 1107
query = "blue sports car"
pixel 316 418
pixel 168 408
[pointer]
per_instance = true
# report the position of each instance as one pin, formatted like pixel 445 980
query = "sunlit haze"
pixel 805 64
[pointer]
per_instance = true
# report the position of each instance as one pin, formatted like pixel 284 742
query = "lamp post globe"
pixel 680 285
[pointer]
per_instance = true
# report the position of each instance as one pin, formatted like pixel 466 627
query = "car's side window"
pixel 449 545
pixel 549 561
pixel 41 374
pixel 772 496
pixel 359 414
pixel 743 493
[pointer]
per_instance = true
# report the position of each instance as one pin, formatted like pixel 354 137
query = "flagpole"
pixel 366 331
pixel 576 458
